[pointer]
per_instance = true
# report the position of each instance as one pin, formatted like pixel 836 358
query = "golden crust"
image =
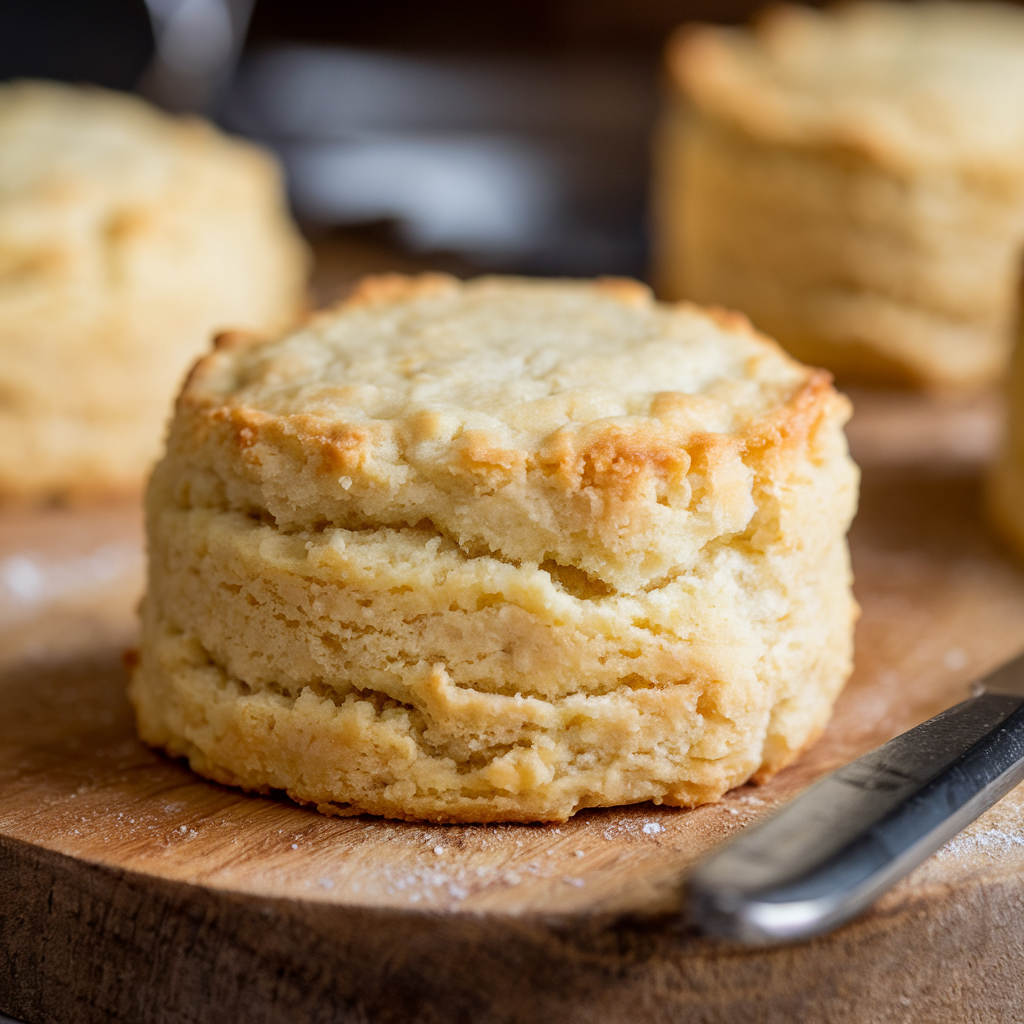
pixel 533 563
pixel 381 289
pixel 600 473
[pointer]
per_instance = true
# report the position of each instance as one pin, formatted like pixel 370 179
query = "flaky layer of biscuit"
pixel 389 671
pixel 326 615
pixel 539 421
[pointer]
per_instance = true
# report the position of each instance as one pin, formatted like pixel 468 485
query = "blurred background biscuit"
pixel 126 238
pixel 853 180
pixel 1004 479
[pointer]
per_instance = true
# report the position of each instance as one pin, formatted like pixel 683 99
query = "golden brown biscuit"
pixel 853 180
pixel 126 238
pixel 498 551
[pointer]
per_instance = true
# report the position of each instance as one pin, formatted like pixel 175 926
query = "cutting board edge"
pixel 116 944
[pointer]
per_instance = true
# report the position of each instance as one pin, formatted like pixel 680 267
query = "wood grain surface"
pixel 133 891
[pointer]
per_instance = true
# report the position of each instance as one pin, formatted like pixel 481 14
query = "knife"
pixel 829 853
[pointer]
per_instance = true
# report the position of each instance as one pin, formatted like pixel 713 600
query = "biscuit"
pixel 853 180
pixel 1004 481
pixel 126 238
pixel 498 551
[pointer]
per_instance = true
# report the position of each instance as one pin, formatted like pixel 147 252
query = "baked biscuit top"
pixel 566 422
pixel 932 83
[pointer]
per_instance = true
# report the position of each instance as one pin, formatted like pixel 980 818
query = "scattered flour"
pixel 955 659
pixel 29 581
pixel 991 842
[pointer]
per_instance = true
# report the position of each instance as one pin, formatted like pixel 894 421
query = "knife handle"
pixel 830 852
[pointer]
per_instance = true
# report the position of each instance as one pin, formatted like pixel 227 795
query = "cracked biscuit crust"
pixel 498 551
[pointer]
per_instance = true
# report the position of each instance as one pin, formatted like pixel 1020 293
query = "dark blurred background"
pixel 501 135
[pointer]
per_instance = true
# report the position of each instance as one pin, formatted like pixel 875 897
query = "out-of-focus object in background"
pixel 512 160
pixel 106 42
pixel 197 45
pixel 853 181
pixel 1004 490
pixel 126 238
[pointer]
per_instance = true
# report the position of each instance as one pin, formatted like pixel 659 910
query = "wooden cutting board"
pixel 131 890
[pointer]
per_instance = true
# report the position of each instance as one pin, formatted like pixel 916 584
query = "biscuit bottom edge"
pixel 347 758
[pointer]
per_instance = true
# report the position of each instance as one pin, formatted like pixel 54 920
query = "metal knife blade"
pixel 834 849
